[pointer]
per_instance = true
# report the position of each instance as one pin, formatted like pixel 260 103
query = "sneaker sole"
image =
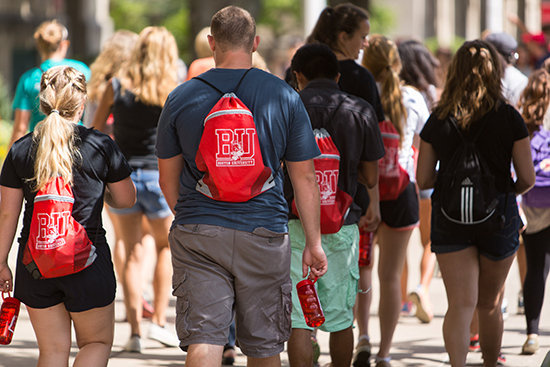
pixel 421 313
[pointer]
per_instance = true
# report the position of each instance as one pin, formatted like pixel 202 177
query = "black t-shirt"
pixel 358 81
pixel 503 126
pixel 353 128
pixel 102 162
pixel 135 128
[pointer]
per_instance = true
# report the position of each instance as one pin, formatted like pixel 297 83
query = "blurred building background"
pixel 90 22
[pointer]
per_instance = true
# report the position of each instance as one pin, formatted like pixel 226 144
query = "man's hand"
pixel 314 259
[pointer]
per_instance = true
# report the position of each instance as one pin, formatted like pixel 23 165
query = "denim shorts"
pixel 149 198
pixel 337 289
pixel 496 246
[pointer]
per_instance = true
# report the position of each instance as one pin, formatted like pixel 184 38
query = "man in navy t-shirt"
pixel 235 257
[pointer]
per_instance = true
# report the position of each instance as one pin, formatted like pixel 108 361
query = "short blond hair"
pixel 202 47
pixel 48 37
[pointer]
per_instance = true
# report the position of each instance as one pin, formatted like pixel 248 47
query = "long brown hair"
pixel 473 85
pixel 534 99
pixel 62 96
pixel 333 21
pixel 382 59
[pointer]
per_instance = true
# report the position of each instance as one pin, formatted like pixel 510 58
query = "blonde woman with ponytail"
pixel 52 42
pixel 404 106
pixel 96 169
pixel 136 98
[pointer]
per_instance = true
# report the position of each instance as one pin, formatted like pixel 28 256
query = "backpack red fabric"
pixel 392 179
pixel 335 203
pixel 58 245
pixel 229 152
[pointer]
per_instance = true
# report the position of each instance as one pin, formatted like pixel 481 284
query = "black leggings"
pixel 537 251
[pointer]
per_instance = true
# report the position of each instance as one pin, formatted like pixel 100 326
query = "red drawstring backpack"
pixel 229 152
pixel 392 178
pixel 58 245
pixel 335 203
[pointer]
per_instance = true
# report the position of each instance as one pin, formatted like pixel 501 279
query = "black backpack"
pixel 467 194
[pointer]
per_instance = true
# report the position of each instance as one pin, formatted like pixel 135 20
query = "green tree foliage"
pixel 280 15
pixel 5 119
pixel 134 15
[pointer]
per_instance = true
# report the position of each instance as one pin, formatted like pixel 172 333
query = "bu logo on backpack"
pixel 392 178
pixel 335 203
pixel 467 194
pixel 229 152
pixel 539 196
pixel 58 245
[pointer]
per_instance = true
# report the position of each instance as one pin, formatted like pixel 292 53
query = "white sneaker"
pixel 504 309
pixel 164 335
pixel 133 345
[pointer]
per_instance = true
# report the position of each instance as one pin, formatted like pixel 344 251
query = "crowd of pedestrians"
pixel 219 171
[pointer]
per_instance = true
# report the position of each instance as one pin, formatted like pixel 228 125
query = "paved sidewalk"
pixel 415 344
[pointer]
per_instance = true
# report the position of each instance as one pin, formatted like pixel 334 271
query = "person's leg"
pixel 427 264
pixel 364 299
pixel 492 275
pixel 274 361
pixel 204 355
pixel 460 272
pixel 119 252
pixel 393 250
pixel 420 295
pixel 94 335
pixel 537 251
pixel 162 278
pixel 130 232
pixel 404 284
pixel 52 327
pixel 341 347
pixel 299 348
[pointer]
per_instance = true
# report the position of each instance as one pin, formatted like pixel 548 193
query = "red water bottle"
pixel 365 247
pixel 8 318
pixel 309 301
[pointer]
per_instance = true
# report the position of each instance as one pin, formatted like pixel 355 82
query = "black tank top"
pixel 135 128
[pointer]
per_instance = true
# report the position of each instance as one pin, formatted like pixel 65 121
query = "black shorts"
pixel 403 212
pixel 93 287
pixel 497 246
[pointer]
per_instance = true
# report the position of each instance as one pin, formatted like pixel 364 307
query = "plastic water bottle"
pixel 309 301
pixel 8 318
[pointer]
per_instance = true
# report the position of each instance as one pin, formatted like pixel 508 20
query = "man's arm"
pixel 306 195
pixel 169 179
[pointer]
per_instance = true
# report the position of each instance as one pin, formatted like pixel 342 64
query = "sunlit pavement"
pixel 415 344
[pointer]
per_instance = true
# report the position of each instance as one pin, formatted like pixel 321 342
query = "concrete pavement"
pixel 415 344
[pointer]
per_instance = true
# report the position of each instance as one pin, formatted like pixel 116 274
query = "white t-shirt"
pixel 513 83
pixel 417 115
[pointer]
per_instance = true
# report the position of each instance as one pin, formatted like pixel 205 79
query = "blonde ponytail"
pixel 62 95
pixel 381 58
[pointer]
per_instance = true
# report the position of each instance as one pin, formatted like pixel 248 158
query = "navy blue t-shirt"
pixel 283 129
